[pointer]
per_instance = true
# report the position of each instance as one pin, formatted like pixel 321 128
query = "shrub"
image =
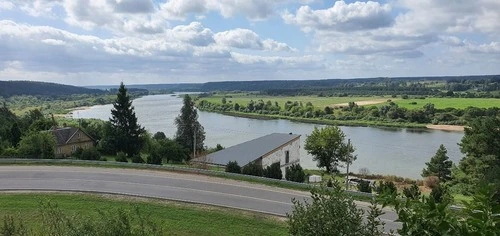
pixel 440 194
pixel 333 212
pixel 431 182
pixel 137 159
pixel 77 153
pixel 387 187
pixel 121 157
pixel 273 171
pixel 252 169
pixel 233 167
pixel 413 192
pixel 38 145
pixel 329 183
pixel 10 152
pixel 295 173
pixel 90 154
pixel 364 186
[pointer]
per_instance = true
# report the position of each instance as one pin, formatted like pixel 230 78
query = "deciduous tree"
pixel 329 148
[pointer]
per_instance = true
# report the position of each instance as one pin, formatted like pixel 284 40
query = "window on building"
pixel 73 148
pixel 78 135
pixel 287 157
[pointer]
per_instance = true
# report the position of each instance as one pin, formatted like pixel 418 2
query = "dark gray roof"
pixel 64 134
pixel 249 151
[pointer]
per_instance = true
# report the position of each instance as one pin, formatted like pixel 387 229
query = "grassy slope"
pixel 178 219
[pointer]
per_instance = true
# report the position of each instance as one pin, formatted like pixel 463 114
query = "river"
pixel 389 151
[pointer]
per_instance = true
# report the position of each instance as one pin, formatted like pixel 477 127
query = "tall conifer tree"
pixel 187 124
pixel 126 131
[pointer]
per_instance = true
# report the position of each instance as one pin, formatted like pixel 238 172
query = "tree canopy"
pixel 481 145
pixel 328 147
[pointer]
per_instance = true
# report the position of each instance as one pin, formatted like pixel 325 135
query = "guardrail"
pixel 304 186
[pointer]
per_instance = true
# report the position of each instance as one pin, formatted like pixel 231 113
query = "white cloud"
pixel 251 9
pixel 6 5
pixel 342 17
pixel 247 39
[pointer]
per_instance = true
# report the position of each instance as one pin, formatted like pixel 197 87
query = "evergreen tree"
pixel 439 165
pixel 187 124
pixel 15 134
pixel 126 131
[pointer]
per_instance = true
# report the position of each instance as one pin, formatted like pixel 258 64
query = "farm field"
pixel 319 102
pixel 441 103
pixel 176 218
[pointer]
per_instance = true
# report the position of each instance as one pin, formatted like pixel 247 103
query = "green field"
pixel 320 102
pixel 177 218
pixel 441 103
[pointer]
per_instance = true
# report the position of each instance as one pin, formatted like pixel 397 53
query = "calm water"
pixel 401 152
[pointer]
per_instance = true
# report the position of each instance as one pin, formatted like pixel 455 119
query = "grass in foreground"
pixel 177 218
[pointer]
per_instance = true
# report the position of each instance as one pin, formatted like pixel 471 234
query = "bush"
pixel 90 154
pixel 431 182
pixel 440 194
pixel 387 187
pixel 329 183
pixel 252 168
pixel 273 171
pixel 121 157
pixel 38 145
pixel 364 186
pixel 10 152
pixel 137 159
pixel 233 167
pixel 413 192
pixel 77 153
pixel 295 173
pixel 333 212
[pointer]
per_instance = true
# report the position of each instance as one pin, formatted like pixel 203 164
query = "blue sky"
pixel 87 42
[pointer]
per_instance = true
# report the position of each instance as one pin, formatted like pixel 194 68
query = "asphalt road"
pixel 160 184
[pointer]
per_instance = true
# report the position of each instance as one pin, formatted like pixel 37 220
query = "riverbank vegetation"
pixel 392 111
pixel 77 214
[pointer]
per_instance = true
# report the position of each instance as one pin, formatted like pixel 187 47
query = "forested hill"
pixel 266 85
pixel 13 88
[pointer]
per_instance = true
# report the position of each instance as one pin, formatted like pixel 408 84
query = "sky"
pixel 104 42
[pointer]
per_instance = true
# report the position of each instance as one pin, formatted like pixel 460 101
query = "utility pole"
pixel 348 161
pixel 194 141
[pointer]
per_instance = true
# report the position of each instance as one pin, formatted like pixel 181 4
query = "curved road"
pixel 159 184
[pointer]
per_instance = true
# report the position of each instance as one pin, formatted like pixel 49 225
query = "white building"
pixel 266 150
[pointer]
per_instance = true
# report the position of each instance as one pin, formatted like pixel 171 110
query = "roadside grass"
pixel 441 103
pixel 319 102
pixel 176 218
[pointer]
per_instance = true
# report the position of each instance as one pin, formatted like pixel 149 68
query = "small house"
pixel 266 150
pixel 69 139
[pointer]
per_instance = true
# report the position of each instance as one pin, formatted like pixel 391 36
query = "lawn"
pixel 441 103
pixel 320 102
pixel 177 218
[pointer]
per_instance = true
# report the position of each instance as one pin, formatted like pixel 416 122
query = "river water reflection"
pixel 401 152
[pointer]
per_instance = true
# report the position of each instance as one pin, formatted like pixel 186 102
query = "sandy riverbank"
pixel 447 127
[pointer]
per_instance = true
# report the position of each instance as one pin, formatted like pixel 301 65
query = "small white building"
pixel 266 150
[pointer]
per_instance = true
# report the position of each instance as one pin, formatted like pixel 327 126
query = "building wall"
pixel 79 140
pixel 279 155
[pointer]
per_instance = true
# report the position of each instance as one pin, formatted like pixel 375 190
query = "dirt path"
pixel 361 103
